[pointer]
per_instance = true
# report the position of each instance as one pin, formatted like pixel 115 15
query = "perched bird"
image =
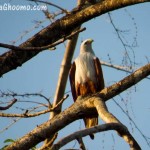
pixel 86 77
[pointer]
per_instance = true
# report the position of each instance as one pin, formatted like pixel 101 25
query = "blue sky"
pixel 41 73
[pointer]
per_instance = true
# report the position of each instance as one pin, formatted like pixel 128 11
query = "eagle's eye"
pixel 86 42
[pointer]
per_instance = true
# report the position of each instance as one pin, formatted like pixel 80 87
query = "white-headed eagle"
pixel 86 77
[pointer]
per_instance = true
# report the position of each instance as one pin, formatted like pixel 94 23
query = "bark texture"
pixel 77 111
pixel 59 29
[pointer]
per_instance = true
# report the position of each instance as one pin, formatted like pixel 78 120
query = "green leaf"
pixel 9 140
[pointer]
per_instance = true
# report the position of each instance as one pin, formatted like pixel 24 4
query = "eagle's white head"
pixel 86 46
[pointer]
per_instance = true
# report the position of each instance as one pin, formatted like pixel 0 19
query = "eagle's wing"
pixel 72 80
pixel 99 74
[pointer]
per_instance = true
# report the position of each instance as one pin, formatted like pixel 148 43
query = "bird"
pixel 86 77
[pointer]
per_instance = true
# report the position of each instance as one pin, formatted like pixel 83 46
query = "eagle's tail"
pixel 90 122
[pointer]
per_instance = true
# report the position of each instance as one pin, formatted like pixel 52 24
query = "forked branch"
pixel 84 105
pixel 106 116
pixel 112 123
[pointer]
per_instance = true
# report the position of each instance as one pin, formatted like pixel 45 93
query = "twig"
pixel 13 94
pixel 80 141
pixel 43 47
pixel 15 120
pixel 117 31
pixel 26 115
pixel 61 101
pixel 145 138
pixel 9 105
pixel 9 125
pixel 121 68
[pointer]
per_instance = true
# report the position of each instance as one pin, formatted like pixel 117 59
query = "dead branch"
pixel 121 40
pixel 9 105
pixel 27 115
pixel 17 48
pixel 86 132
pixel 81 107
pixel 121 68
pixel 81 143
pixel 106 116
pixel 138 129
pixel 59 29
pixel 9 125
pixel 14 94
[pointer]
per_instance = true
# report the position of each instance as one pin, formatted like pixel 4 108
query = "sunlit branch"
pixel 75 111
pixel 85 132
pixel 27 115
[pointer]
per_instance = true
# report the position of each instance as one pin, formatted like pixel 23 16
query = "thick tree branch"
pixel 59 29
pixel 86 132
pixel 81 107
pixel 106 116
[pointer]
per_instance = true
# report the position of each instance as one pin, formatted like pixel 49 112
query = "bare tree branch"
pixel 117 31
pixel 43 47
pixel 81 143
pixel 9 105
pixel 121 68
pixel 14 94
pixel 86 132
pixel 27 115
pixel 142 134
pixel 82 106
pixel 59 29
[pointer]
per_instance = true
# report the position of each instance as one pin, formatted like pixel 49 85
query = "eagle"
pixel 86 77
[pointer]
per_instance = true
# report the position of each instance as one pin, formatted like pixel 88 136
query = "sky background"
pixel 40 74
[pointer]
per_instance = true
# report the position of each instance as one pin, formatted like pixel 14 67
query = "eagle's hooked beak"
pixel 91 40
